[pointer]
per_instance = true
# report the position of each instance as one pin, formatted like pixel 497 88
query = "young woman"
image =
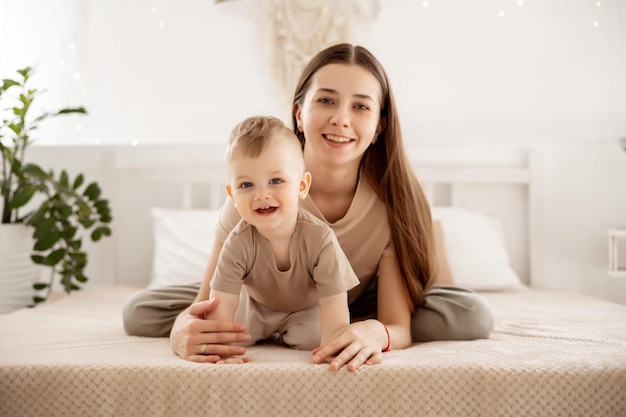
pixel 364 187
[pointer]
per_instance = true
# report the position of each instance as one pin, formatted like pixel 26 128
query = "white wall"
pixel 584 196
pixel 549 75
pixel 148 71
pixel 157 71
pixel 540 73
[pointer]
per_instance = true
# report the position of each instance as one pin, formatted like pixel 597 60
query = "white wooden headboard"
pixel 188 177
pixel 511 193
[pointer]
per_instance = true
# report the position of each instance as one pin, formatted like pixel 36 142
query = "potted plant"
pixel 58 208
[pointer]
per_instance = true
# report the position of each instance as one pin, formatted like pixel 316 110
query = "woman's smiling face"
pixel 340 113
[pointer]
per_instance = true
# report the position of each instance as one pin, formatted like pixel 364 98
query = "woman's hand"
pixel 359 343
pixel 195 339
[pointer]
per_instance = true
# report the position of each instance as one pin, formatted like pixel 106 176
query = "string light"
pixel 595 22
pixel 160 22
pixel 519 3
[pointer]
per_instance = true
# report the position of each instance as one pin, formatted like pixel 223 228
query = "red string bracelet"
pixel 388 338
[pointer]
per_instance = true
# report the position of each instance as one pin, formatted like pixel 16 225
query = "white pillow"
pixel 476 250
pixel 474 244
pixel 182 244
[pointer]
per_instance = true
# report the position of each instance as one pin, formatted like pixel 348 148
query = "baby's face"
pixel 266 189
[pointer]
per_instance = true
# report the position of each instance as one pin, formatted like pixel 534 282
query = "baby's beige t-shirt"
pixel 363 233
pixel 318 266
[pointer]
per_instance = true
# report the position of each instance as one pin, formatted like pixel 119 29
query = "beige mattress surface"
pixel 551 354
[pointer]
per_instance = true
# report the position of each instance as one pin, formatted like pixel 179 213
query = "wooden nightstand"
pixel 615 270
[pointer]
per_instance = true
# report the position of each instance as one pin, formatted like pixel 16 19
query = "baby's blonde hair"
pixel 249 137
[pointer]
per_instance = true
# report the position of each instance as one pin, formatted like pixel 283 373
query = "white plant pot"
pixel 18 272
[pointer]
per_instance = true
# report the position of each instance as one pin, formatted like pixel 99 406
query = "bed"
pixel 552 353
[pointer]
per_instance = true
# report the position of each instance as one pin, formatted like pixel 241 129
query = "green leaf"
pixel 105 216
pixel 54 257
pixel 47 241
pixel 25 72
pixel 68 232
pixel 38 259
pixel 92 192
pixel 79 256
pixel 66 281
pixel 27 100
pixel 102 206
pixel 35 171
pixel 16 168
pixel 100 231
pixel 15 128
pixel 40 286
pixel 37 299
pixel 44 227
pixel 6 84
pixel 63 209
pixel 19 112
pixel 72 110
pixel 96 234
pixel 39 215
pixel 83 209
pixel 64 179
pixel 86 222
pixel 23 196
pixel 78 182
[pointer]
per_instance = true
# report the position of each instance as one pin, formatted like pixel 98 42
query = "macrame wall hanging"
pixel 298 29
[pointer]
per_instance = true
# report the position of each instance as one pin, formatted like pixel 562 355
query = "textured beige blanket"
pixel 551 354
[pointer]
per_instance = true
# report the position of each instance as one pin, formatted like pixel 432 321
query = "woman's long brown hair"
pixel 386 166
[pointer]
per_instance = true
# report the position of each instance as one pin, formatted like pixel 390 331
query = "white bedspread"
pixel 551 354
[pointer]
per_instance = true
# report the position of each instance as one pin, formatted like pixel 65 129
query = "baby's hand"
pixel 236 361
